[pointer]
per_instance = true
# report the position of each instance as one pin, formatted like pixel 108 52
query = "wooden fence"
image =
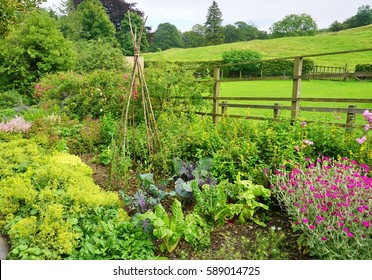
pixel 220 104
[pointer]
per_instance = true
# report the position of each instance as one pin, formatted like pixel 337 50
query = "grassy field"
pixel 352 39
pixel 313 89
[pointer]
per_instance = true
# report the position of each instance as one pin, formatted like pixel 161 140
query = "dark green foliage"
pixel 95 22
pixel 166 36
pixel 363 68
pixel 98 54
pixel 294 25
pixel 35 48
pixel 361 18
pixel 214 33
pixel 281 67
pixel 242 56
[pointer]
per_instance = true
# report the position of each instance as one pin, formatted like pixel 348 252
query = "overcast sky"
pixel 263 13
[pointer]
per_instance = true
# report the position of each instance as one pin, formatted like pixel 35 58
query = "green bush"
pixel 79 96
pixel 282 67
pixel 9 99
pixel 33 49
pixel 363 68
pixel 242 56
pixel 98 54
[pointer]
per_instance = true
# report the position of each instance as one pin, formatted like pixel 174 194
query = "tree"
pixel 95 22
pixel 214 33
pixel 294 25
pixel 336 26
pixel 11 12
pixel 362 18
pixel 124 37
pixel 167 36
pixel 232 34
pixel 35 48
pixel 116 9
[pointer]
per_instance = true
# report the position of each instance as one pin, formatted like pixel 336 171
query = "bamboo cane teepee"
pixel 123 152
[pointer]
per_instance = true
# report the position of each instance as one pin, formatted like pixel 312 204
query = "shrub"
pixel 329 202
pixel 242 56
pixel 35 48
pixel 92 94
pixel 9 99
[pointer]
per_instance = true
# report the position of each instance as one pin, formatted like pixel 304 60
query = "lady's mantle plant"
pixel 330 202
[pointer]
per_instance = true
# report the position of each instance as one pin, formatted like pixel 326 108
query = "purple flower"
pixel 366 224
pixel 305 221
pixel 324 238
pixel 311 227
pixel 350 234
pixel 303 124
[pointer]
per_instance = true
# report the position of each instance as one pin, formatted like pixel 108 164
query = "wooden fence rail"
pixel 295 99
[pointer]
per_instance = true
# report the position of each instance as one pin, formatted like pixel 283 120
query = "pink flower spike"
pixel 367 127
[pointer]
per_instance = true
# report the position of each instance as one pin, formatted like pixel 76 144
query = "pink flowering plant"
pixel 17 124
pixel 330 204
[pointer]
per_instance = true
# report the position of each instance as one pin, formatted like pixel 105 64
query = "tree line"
pixel 108 20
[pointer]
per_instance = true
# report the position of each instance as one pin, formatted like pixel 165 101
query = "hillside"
pixel 351 39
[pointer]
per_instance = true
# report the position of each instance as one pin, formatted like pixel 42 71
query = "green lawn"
pixel 313 89
pixel 351 39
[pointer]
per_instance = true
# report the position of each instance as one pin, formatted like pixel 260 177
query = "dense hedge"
pixel 363 68
pixel 279 67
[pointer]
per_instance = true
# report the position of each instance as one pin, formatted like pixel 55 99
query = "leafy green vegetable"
pixel 211 203
pixel 248 195
pixel 168 229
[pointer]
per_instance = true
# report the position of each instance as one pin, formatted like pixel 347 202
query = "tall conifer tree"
pixel 214 32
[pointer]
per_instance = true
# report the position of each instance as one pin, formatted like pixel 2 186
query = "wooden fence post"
pixel 276 111
pixel 296 89
pixel 216 93
pixel 350 117
pixel 224 107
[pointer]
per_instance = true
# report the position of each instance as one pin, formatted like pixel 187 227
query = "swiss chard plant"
pixel 212 203
pixel 168 229
pixel 171 229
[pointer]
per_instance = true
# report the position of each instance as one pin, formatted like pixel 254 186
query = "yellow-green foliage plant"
pixel 44 200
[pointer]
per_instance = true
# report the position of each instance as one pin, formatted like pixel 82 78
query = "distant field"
pixel 314 88
pixel 357 38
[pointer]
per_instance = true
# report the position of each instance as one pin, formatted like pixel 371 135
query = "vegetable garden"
pixel 238 189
